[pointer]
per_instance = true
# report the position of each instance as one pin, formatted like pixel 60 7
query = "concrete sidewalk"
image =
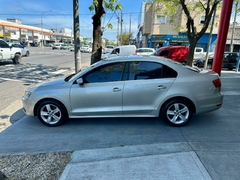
pixel 156 161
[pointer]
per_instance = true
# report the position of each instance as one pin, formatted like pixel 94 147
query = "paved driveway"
pixel 214 136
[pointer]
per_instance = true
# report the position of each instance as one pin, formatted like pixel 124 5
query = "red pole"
pixel 222 35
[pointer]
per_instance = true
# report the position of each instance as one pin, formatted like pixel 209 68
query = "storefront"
pixel 181 39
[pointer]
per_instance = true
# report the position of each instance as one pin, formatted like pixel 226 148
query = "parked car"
pixel 199 53
pixel 64 47
pixel 229 61
pixel 8 52
pixel 176 53
pixel 108 49
pixel 145 51
pixel 134 86
pixel 124 50
pixel 57 45
pixel 71 48
pixel 24 50
pixel 86 48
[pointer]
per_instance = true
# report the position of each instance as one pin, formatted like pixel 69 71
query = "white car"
pixel 24 50
pixel 145 51
pixel 108 49
pixel 86 48
pixel 71 48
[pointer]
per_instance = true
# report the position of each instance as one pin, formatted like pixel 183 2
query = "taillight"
pixel 135 52
pixel 217 83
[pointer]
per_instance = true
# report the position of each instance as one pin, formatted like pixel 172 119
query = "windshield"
pixel 157 50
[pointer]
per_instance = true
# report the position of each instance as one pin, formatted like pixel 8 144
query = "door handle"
pixel 160 87
pixel 116 89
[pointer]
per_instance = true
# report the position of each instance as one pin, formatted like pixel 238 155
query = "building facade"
pixel 156 29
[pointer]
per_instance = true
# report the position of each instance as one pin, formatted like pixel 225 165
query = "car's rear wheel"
pixel 176 112
pixel 52 113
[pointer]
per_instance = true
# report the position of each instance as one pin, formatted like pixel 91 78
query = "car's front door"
pixel 101 92
pixel 5 50
pixel 146 85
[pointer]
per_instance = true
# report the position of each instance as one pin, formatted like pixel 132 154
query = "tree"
pixel 99 7
pixel 125 38
pixel 190 10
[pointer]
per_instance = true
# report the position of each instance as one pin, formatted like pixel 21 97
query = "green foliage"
pixel 110 26
pixel 113 5
pixel 125 38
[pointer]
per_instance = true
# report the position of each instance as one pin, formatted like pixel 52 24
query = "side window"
pixel 144 70
pixel 198 50
pixel 3 44
pixel 168 72
pixel 116 51
pixel 106 73
pixel 164 53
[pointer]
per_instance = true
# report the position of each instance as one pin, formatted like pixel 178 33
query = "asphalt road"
pixel 42 65
pixel 214 136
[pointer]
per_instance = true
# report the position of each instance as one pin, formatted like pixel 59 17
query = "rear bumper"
pixel 210 104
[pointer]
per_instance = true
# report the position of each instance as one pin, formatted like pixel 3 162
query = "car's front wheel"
pixel 52 113
pixel 177 112
pixel 27 54
pixel 17 59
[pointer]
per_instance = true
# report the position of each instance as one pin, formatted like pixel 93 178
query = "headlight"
pixel 27 94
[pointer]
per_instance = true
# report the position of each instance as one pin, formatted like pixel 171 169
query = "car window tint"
pixel 144 70
pixel 3 44
pixel 107 73
pixel 169 72
pixel 164 53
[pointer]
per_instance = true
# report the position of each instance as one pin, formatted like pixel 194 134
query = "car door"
pixel 145 87
pixel 101 92
pixel 5 50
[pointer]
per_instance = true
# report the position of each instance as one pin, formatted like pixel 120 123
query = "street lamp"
pixel 42 27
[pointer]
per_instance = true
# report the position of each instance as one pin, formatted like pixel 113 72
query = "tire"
pixel 176 112
pixel 17 59
pixel 230 68
pixel 27 54
pixel 52 113
pixel 209 66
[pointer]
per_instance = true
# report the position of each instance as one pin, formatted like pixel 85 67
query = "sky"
pixel 60 14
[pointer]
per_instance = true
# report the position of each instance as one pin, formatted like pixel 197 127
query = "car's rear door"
pixel 145 86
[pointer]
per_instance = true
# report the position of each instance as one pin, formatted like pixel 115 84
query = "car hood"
pixel 57 82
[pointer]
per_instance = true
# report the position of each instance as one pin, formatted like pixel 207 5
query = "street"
pixel 41 65
pixel 214 137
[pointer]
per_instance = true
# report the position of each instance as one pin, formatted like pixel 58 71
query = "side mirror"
pixel 80 81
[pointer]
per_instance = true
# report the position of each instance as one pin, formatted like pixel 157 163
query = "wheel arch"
pixel 48 99
pixel 182 98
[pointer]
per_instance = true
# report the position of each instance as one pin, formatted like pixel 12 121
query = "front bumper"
pixel 28 107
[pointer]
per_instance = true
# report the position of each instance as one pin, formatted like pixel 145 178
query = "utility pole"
pixel 118 29
pixel 130 29
pixel 210 38
pixel 121 20
pixel 76 29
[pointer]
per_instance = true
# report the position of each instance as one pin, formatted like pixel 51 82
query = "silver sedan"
pixel 127 87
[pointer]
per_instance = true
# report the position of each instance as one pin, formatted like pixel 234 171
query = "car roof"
pixel 160 59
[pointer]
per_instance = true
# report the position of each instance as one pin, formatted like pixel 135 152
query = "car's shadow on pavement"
pixel 17 116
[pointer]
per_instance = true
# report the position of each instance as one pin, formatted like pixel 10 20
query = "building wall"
pixel 162 34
